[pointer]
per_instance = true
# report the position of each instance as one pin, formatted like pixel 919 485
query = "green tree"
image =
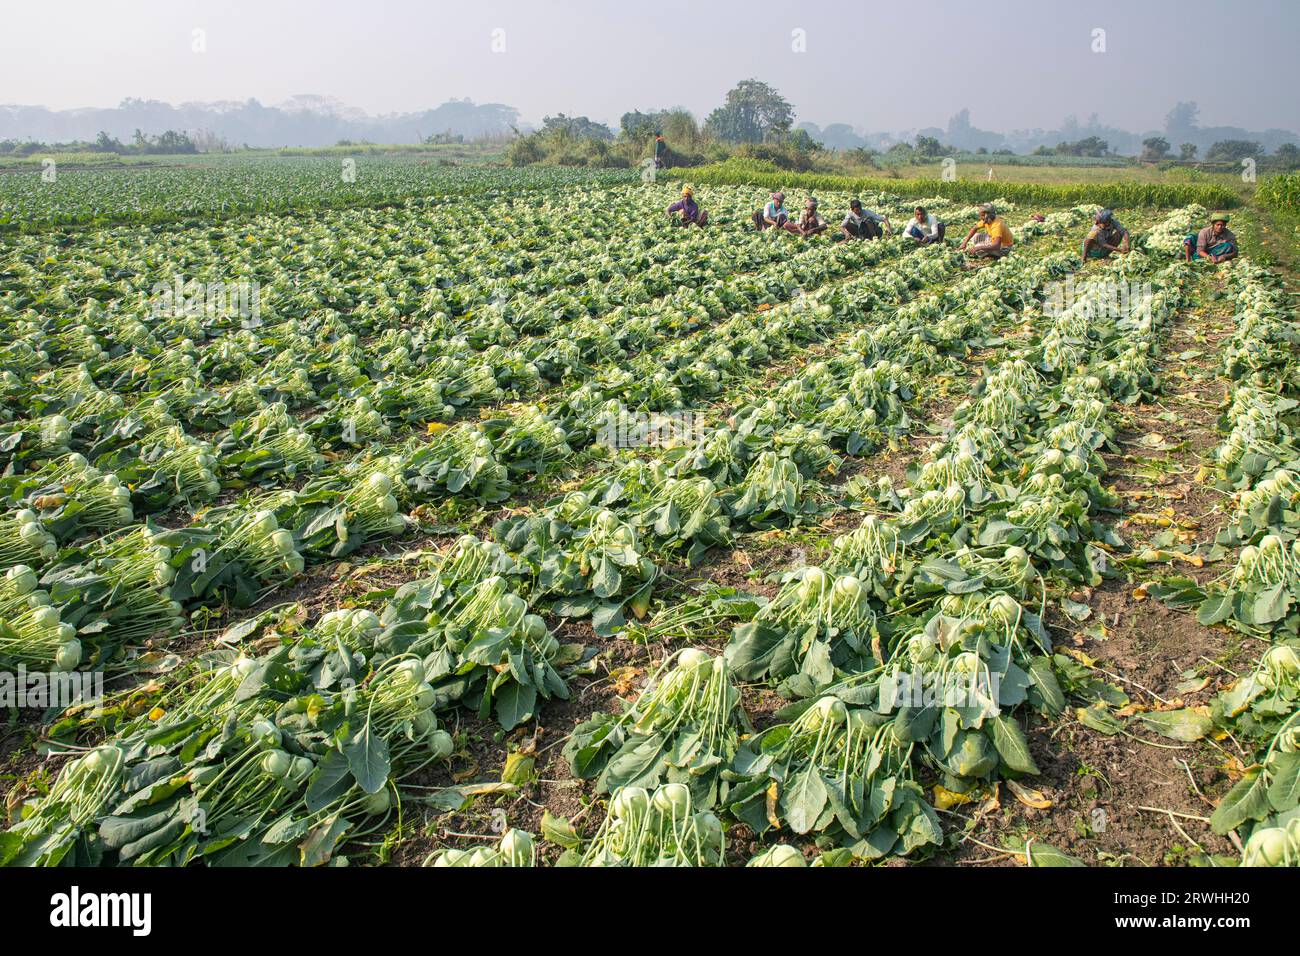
pixel 1181 120
pixel 108 144
pixel 1088 146
pixel 1154 149
pixel 928 146
pixel 1287 155
pixel 1232 150
pixel 1187 152
pixel 752 112
pixel 576 127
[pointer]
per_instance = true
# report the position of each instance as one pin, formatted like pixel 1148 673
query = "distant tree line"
pixel 168 143
pixel 755 122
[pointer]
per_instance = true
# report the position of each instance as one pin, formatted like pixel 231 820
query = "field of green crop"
pixel 214 188
pixel 479 517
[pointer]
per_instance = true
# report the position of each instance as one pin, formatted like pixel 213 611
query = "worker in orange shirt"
pixel 991 234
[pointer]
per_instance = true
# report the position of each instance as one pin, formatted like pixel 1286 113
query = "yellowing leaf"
pixel 770 805
pixel 623 679
pixel 1080 656
pixel 1029 796
pixel 461 776
pixel 518 768
pixel 945 799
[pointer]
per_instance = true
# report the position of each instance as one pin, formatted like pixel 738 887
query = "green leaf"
pixel 1284 791
pixel 559 831
pixel 1012 746
pixel 804 800
pixel 321 842
pixel 1247 800
pixel 1215 608
pixel 518 768
pixel 1043 854
pixel 605 578
pixel 329 781
pixel 1046 686
pixel 10 845
pixel 639 762
pixel 515 704
pixel 1186 724
pixel 367 755
pixel 1099 718
pixel 756 648
pixel 1271 605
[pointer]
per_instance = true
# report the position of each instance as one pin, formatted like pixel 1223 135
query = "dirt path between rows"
pixel 1120 800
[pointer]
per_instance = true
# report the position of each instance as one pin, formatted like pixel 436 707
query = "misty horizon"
pixel 581 57
pixel 316 120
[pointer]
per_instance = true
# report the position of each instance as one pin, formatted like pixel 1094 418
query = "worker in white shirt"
pixel 924 228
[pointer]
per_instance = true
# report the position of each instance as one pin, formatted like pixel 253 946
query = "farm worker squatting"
pixel 1215 243
pixel 924 227
pixel 1107 235
pixel 863 223
pixel 690 212
pixel 810 224
pixel 991 234
pixel 773 215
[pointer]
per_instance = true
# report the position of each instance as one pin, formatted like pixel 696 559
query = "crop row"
pixel 1282 192
pixel 1116 194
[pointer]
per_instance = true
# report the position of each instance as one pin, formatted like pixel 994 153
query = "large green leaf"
pixel 803 801
pixel 1012 746
pixel 1247 800
pixel 367 754
pixel 1284 790
pixel 515 703
pixel 1186 724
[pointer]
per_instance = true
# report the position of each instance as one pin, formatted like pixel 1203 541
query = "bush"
pixel 566 157
pixel 779 155
pixel 524 151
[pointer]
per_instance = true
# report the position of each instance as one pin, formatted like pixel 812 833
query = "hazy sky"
pixel 1015 63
